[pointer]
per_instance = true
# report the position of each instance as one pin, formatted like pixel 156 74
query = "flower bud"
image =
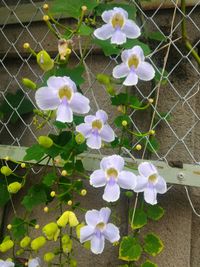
pixel 23 165
pixel 69 203
pixel 64 173
pixel 121 109
pixel 80 139
pixel 26 45
pixel 5 170
pixel 6 158
pixel 25 242
pixel 38 242
pixel 138 147
pixel 45 7
pixel 51 231
pixel 44 61
pixel 84 8
pixel 110 90
pixel 19 252
pixel 6 245
pixel 124 123
pixel 49 256
pixel 65 239
pixel 46 18
pixel 9 226
pixel 63 220
pixel 53 193
pixel 37 226
pixel 83 192
pixel 14 187
pixel 67 248
pixel 73 221
pixel 45 141
pixel 103 78
pixel 46 209
pixel 29 84
pixel 152 132
pixel 150 100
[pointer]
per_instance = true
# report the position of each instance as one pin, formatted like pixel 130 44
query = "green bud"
pixel 67 248
pixel 51 231
pixel 29 84
pixel 129 194
pixel 49 256
pixel 6 245
pixel 14 187
pixel 80 139
pixel 25 242
pixel 5 170
pixel 19 252
pixel 65 239
pixel 103 78
pixel 45 141
pixel 110 90
pixel 38 242
pixel 73 263
pixel 44 61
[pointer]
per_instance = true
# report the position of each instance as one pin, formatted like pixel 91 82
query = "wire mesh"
pixel 178 99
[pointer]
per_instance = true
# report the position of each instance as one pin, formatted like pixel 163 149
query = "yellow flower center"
pixel 65 92
pixel 153 178
pixel 100 226
pixel 133 61
pixel 112 173
pixel 97 124
pixel 118 20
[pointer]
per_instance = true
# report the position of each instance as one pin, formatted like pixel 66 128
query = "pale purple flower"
pixel 118 27
pixel 36 262
pixel 6 263
pixel 98 229
pixel 95 129
pixel 133 67
pixel 112 176
pixel 150 182
pixel 61 94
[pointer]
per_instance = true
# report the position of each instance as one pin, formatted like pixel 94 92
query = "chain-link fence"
pixel 175 113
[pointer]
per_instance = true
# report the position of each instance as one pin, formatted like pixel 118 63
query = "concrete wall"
pixel 180 228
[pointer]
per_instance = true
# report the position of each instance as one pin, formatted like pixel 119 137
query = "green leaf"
pixel 85 30
pixel 148 263
pixel 130 249
pixel 35 152
pixel 158 36
pixel 131 9
pixel 132 42
pixel 72 8
pixel 153 245
pixel 158 76
pixel 75 74
pixel 37 194
pixel 79 166
pixel 18 228
pixel 140 219
pixel 153 144
pixel 49 179
pixel 4 195
pixel 125 99
pixel 155 212
pixel 107 47
pixel 16 101
pixel 60 125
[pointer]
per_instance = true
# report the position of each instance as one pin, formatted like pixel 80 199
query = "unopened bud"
pixel 53 193
pixel 124 123
pixel 6 158
pixel 45 141
pixel 44 61
pixel 6 245
pixel 5 170
pixel 37 226
pixel 150 100
pixel 49 256
pixel 25 242
pixel 9 226
pixel 80 138
pixel 14 187
pixel 23 165
pixel 103 78
pixel 46 18
pixel 110 89
pixel 46 7
pixel 29 84
pixel 121 109
pixel 84 8
pixel 138 147
pixel 83 192
pixel 69 203
pixel 38 242
pixel 152 132
pixel 26 45
pixel 64 173
pixel 46 209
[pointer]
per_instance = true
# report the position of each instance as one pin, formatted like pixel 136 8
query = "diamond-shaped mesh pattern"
pixel 178 98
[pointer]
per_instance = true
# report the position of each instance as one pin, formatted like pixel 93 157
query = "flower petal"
pixel 111 233
pixel 86 233
pixel 97 178
pixel 92 217
pixel 94 141
pixel 85 129
pixel 145 71
pixel 120 71
pixel 131 29
pixel 111 192
pixel 132 79
pixel 107 134
pixel 161 186
pixel 97 244
pixel 150 195
pixel 125 55
pixel 64 113
pixel 47 99
pixel 104 32
pixel 55 83
pixel 146 169
pixel 34 262
pixel 137 50
pixel 141 183
pixel 127 180
pixel 102 115
pixel 114 161
pixel 80 104
pixel 6 263
pixel 89 118
pixel 104 214
pixel 120 10
pixel 107 15
pixel 118 37
pixel 68 81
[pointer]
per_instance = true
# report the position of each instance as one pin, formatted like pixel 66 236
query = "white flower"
pixel 98 229
pixel 112 176
pixel 95 129
pixel 133 67
pixel 61 94
pixel 36 262
pixel 118 27
pixel 6 263
pixel 150 182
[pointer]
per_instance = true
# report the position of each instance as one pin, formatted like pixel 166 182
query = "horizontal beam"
pixel 188 175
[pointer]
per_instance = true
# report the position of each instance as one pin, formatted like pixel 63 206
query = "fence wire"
pixel 176 111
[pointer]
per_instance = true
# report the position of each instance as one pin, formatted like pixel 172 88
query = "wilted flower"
pixel 95 129
pixel 118 27
pixel 150 182
pixel 67 217
pixel 112 176
pixel 61 94
pixel 51 231
pixel 133 67
pixel 36 262
pixel 98 229
pixel 6 263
